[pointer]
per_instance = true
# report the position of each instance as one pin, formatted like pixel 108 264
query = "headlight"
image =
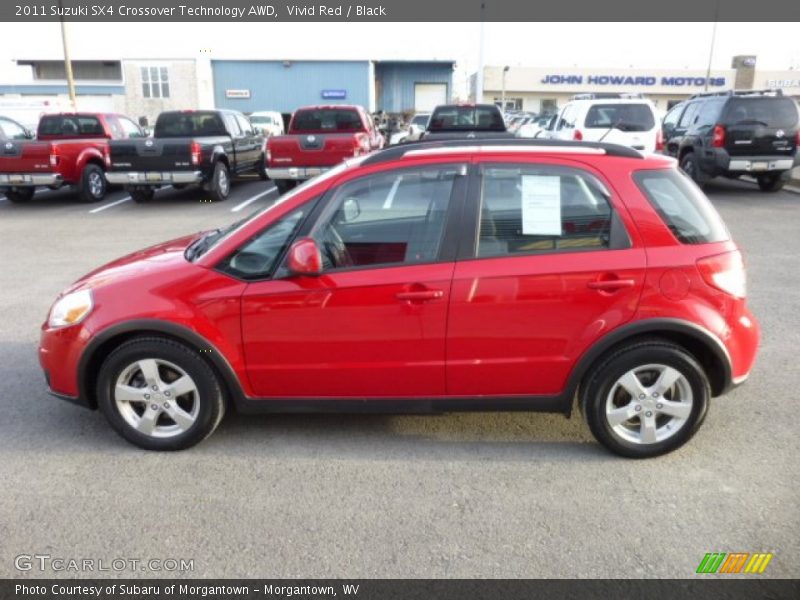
pixel 71 309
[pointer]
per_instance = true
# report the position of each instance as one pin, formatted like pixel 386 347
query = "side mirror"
pixel 143 122
pixel 29 135
pixel 304 258
pixel 351 209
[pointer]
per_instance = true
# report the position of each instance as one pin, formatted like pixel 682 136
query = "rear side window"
pixel 532 209
pixel 626 117
pixel 327 120
pixel 683 208
pixel 188 124
pixel 69 125
pixel 464 118
pixel 767 111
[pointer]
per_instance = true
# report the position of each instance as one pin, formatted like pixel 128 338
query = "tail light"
pixel 196 153
pixel 267 155
pixel 797 138
pixel 718 136
pixel 55 155
pixel 659 140
pixel 578 135
pixel 361 145
pixel 107 156
pixel 725 272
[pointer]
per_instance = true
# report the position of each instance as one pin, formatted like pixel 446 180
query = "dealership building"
pixel 546 89
pixel 145 87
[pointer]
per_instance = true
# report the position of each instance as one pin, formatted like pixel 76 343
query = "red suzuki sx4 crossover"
pixel 431 277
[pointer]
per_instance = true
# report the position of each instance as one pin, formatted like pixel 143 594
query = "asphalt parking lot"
pixel 470 495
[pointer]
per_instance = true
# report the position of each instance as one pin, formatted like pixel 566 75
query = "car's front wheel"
pixel 646 399
pixel 284 185
pixel 159 394
pixel 93 184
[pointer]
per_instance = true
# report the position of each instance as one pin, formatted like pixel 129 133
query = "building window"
pixel 85 70
pixel 155 82
pixel 548 106
pixel 511 103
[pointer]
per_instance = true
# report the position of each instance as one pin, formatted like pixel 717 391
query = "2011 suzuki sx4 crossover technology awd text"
pixel 429 277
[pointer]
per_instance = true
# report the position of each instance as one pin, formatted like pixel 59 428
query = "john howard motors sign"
pixel 628 80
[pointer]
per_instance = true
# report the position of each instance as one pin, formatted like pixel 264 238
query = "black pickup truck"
pixel 205 147
pixel 466 121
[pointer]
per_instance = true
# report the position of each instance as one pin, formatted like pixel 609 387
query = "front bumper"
pixel 145 178
pixel 296 173
pixel 60 350
pixel 12 180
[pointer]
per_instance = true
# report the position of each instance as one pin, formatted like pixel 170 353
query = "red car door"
pixel 552 269
pixel 374 322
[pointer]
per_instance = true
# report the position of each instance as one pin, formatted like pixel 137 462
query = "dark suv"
pixel 735 133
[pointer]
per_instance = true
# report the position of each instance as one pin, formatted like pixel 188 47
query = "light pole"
pixel 67 61
pixel 503 91
pixel 479 74
pixel 713 39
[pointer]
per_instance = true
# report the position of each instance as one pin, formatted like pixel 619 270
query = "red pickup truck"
pixel 319 137
pixel 69 149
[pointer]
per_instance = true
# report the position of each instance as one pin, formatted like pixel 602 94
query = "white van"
pixel 268 122
pixel 628 121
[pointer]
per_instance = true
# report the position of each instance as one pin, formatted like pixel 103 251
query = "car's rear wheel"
pixel 771 183
pixel 220 186
pixel 646 399
pixel 20 195
pixel 261 168
pixel 93 184
pixel 284 185
pixel 159 394
pixel 140 196
pixel 692 169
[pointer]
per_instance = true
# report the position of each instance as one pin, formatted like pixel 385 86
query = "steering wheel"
pixel 334 250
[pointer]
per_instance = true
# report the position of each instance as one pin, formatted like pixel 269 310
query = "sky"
pixel 636 45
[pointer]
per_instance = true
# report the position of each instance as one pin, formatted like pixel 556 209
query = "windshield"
pixel 205 242
pixel 188 124
pixel 421 120
pixel 766 111
pixel 465 118
pixel 327 120
pixel 257 119
pixel 627 117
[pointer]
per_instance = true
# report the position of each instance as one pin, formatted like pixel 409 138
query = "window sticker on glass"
pixel 541 205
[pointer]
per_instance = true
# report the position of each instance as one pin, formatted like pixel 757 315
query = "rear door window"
pixel 529 209
pixel 327 120
pixel 688 115
pixel 682 206
pixel 626 117
pixel 71 125
pixel 461 118
pixel 768 111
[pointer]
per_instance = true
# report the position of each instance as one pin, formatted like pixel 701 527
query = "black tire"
pixel 142 196
pixel 771 183
pixel 93 184
pixel 601 382
pixel 20 195
pixel 261 168
pixel 220 185
pixel 284 185
pixel 692 169
pixel 209 395
pixel 178 186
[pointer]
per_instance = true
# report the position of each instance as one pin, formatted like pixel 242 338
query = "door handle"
pixel 420 295
pixel 611 284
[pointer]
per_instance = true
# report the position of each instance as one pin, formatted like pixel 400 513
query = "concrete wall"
pixel 182 87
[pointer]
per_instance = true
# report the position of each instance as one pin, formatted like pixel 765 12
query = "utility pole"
pixel 713 39
pixel 67 62
pixel 503 92
pixel 479 74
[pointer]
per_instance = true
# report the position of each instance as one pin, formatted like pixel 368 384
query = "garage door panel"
pixel 428 96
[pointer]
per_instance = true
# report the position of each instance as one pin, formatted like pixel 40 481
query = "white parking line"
pixel 121 200
pixel 252 199
pixel 109 205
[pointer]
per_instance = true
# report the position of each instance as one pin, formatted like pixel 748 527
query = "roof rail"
pixel 607 95
pixel 560 146
pixel 766 92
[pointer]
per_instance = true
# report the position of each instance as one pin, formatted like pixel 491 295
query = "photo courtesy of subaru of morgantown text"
pixel 330 301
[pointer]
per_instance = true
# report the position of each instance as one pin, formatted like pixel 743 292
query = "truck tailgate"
pixel 151 154
pixel 311 150
pixel 25 156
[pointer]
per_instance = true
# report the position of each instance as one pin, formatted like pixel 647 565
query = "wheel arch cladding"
pixel 701 344
pixel 105 343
